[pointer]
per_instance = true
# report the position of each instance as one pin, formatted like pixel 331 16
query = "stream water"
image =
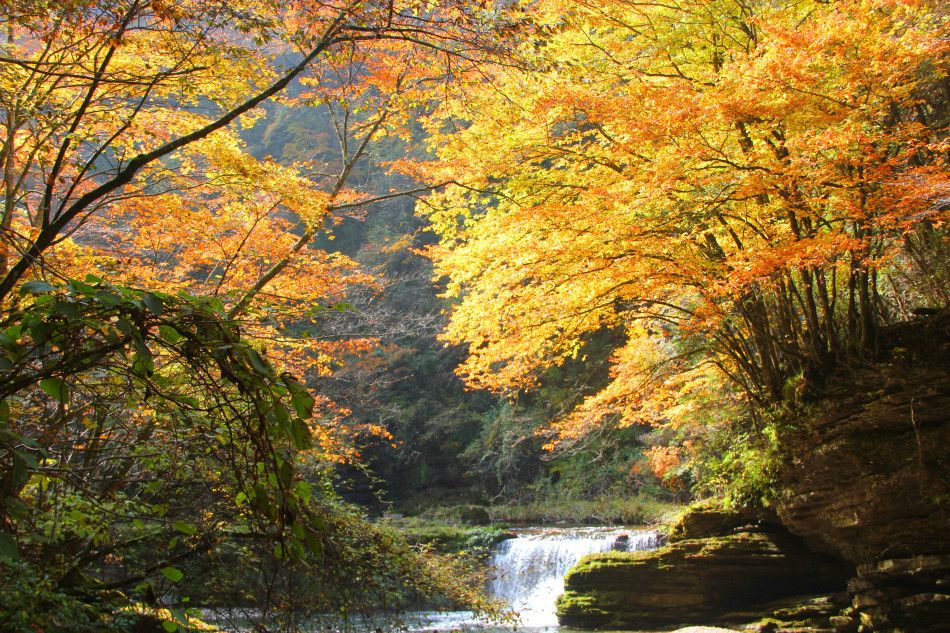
pixel 530 569
pixel 528 574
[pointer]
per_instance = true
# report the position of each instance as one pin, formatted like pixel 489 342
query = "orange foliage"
pixel 121 154
pixel 663 460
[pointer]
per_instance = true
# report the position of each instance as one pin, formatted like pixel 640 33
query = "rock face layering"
pixel 874 492
pixel 712 567
pixel 868 480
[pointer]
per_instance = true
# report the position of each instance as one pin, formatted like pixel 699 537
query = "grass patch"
pixel 446 538
pixel 637 510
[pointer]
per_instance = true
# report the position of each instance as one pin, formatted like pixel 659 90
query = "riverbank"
pixel 641 509
pixel 448 538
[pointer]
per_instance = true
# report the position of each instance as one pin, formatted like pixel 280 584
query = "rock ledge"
pixel 694 581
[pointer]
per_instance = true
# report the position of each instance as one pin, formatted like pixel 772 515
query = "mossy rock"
pixel 709 518
pixel 693 581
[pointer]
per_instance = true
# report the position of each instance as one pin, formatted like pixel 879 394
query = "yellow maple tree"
pixel 746 189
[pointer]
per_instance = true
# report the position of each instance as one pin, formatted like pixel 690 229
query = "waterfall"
pixel 530 568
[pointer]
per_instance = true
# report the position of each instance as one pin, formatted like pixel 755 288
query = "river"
pixel 528 574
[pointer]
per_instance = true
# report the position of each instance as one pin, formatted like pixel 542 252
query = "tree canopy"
pixel 686 214
pixel 747 190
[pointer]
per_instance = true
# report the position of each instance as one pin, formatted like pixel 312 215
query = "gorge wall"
pixel 868 480
pixel 864 495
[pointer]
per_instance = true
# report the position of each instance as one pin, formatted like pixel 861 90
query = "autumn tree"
pixel 151 268
pixel 747 190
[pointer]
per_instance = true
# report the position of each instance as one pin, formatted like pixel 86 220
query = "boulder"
pixel 708 518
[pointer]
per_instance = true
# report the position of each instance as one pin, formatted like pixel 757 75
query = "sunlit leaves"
pixel 726 183
pixel 150 414
pixel 173 574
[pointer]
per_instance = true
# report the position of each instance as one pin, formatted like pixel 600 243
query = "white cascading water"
pixel 530 568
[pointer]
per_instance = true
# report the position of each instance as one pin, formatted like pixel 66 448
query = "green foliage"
pixel 464 514
pixel 740 467
pixel 155 452
pixel 30 602
pixel 449 538
pixel 454 446
pixel 102 354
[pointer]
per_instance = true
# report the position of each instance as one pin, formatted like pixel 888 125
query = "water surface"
pixel 528 575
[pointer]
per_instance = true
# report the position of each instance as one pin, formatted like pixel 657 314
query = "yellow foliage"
pixel 713 170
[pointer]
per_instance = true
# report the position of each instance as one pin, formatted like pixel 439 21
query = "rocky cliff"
pixel 867 478
pixel 865 484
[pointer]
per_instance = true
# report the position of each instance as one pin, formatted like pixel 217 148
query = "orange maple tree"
pixel 157 282
pixel 122 155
